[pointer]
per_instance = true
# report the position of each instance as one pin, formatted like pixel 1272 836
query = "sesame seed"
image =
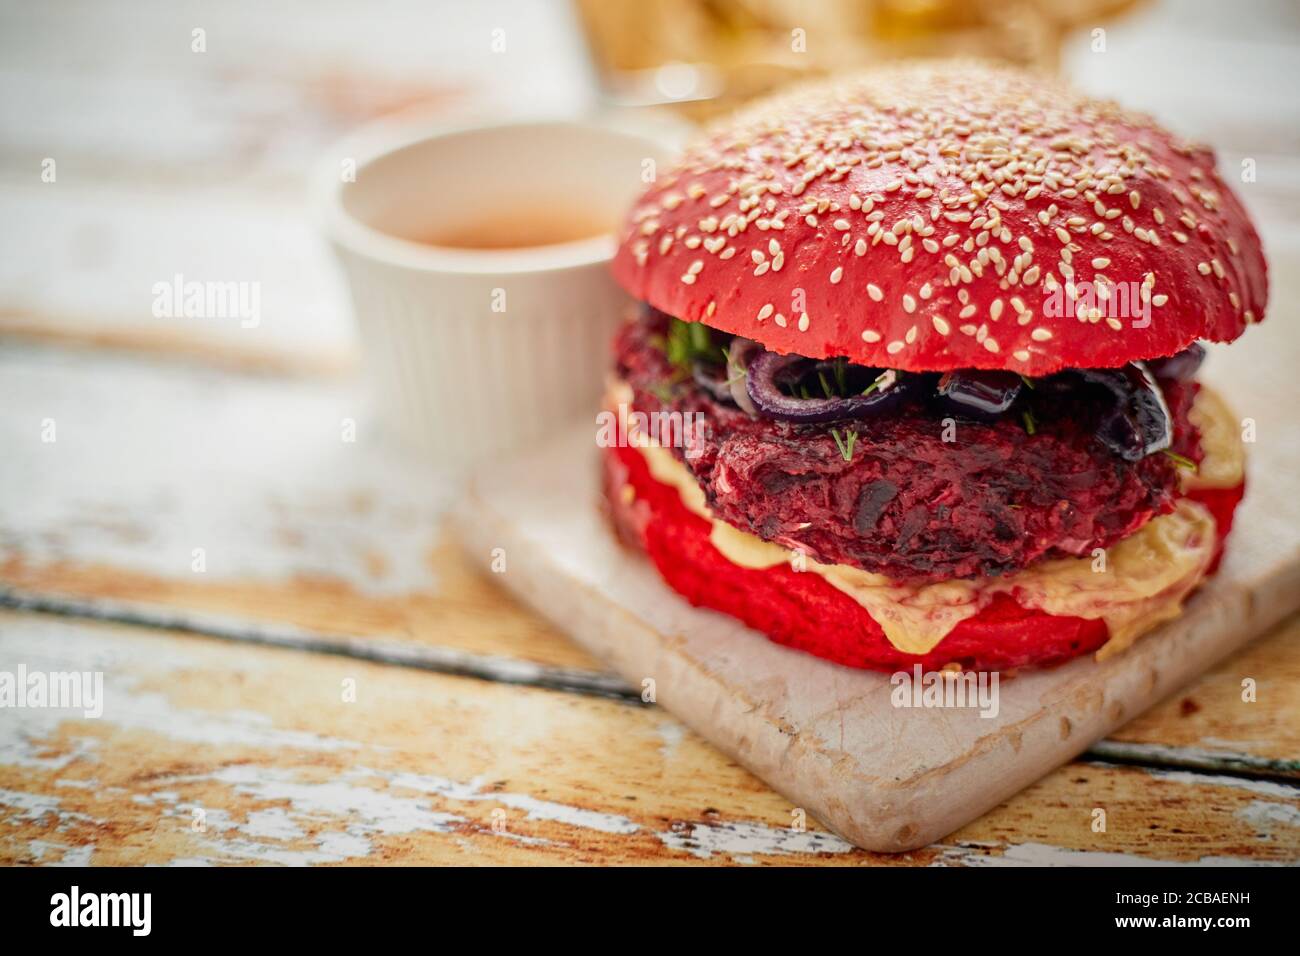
pixel 894 348
pixel 803 322
pixel 940 324
pixel 765 312
pixel 935 161
pixel 780 320
pixel 870 336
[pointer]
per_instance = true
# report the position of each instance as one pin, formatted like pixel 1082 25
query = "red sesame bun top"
pixel 931 216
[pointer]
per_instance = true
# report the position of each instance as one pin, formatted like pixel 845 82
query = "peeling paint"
pixel 1267 816
pixel 533 808
pixel 672 733
pixel 1041 854
pixel 260 480
pixel 1263 787
pixel 706 840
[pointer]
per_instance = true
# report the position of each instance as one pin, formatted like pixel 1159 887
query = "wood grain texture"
pixel 420 767
pixel 318 545
pixel 297 526
pixel 171 161
pixel 1210 721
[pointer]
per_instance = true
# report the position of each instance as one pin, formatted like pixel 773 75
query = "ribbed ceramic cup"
pixel 474 352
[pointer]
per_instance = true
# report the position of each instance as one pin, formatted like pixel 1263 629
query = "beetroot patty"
pixel 907 504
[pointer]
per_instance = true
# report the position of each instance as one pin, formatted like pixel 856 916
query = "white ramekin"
pixel 453 375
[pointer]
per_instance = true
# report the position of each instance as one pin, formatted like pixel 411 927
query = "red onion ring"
pixel 768 371
pixel 1180 366
pixel 739 355
pixel 1139 424
pixel 979 394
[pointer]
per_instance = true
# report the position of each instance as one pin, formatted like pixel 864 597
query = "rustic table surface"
pixel 299 668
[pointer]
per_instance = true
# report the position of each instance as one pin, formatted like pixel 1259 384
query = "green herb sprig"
pixel 688 342
pixel 1184 463
pixel 845 444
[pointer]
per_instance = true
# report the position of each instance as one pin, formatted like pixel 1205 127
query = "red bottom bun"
pixel 806 612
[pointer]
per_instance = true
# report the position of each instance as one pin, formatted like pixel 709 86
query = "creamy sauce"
pixel 1132 586
pixel 1224 465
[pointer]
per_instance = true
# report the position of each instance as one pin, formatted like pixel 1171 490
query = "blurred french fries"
pixel 704 57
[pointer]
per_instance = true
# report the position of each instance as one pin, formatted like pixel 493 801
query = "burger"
pixel 912 377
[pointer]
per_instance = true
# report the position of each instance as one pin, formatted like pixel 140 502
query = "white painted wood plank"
pixel 152 462
pixel 88 258
pixel 422 768
pixel 286 771
pixel 116 90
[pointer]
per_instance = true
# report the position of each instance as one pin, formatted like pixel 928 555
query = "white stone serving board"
pixel 826 736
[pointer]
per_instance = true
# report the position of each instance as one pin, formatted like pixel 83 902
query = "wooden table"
pixel 298 666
